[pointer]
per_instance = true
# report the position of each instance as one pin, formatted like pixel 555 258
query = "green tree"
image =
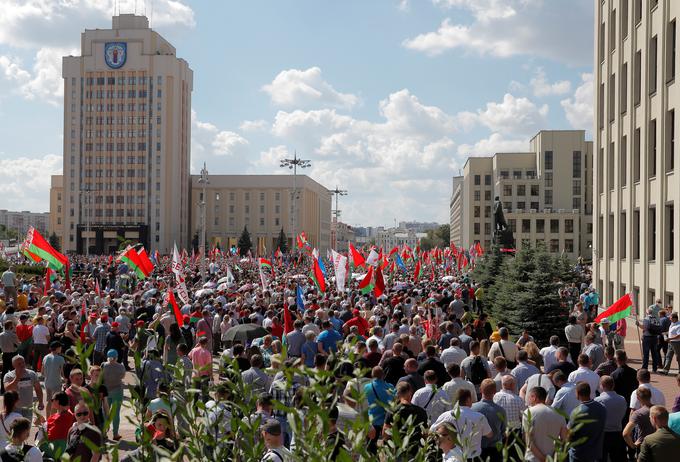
pixel 438 237
pixel 444 233
pixel 244 243
pixel 525 294
pixel 282 242
pixel 54 241
pixel 486 271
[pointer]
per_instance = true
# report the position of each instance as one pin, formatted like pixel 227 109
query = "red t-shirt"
pixel 277 330
pixel 24 332
pixel 59 424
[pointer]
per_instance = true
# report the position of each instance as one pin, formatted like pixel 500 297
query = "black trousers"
pixel 491 454
pixel 6 367
pixel 614 447
pixel 574 351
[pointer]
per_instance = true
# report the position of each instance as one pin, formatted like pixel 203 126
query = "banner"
pixel 179 277
pixel 340 266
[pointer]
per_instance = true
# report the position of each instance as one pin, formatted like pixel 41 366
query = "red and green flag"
pixel 133 260
pixel 619 310
pixel 379 285
pixel 316 275
pixel 287 322
pixel 417 271
pixel 83 321
pixel 357 258
pixel 266 265
pixel 175 308
pixel 50 276
pixel 37 248
pixel 147 264
pixel 366 285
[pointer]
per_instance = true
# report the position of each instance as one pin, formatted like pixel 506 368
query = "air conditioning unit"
pixel 548 210
pixel 532 210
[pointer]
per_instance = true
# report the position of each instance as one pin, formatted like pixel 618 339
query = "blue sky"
pixel 386 97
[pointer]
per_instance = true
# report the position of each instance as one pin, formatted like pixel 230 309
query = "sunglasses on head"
pixel 81 414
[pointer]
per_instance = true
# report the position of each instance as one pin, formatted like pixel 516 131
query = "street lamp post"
pixel 337 192
pixel 85 198
pixel 201 251
pixel 293 164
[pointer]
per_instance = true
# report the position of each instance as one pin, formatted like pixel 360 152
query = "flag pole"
pixel 637 325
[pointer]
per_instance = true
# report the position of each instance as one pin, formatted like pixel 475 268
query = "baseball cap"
pixel 112 353
pixel 115 324
pixel 271 426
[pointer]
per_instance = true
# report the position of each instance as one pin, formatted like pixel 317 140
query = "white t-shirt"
pixel 543 381
pixel 5 424
pixel 40 334
pixel 586 375
pixel 658 399
pixel 470 426
pixel 33 454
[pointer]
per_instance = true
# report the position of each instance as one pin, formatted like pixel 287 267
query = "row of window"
pixel 118 107
pixel 129 133
pixel 538 226
pixel 232 196
pixel 119 120
pixel 120 80
pixel 232 222
pixel 652 155
pixel 118 94
pixel 651 236
pixel 110 147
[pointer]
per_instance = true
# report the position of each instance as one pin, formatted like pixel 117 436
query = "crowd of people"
pixel 423 359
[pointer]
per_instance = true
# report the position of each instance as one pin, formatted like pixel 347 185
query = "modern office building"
pixel 263 204
pixel 21 221
pixel 127 129
pixel 634 135
pixel 546 195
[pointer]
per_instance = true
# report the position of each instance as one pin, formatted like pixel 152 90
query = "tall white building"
pixel 127 131
pixel 635 125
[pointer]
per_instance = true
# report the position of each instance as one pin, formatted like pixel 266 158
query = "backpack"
pixel 654 326
pixel 477 370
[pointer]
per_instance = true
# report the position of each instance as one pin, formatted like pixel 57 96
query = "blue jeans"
pixel 115 398
pixel 650 345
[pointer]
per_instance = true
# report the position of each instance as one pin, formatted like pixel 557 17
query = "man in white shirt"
pixel 469 424
pixel 457 383
pixel 542 427
pixel 585 374
pixel 538 380
pixel 507 399
pixel 453 354
pixel 504 348
pixel 548 353
pixel 41 340
pixel 658 399
pixel 433 400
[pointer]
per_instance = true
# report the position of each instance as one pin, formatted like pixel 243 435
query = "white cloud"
pixel 25 182
pixel 493 144
pixel 208 140
pixel 253 125
pixel 55 23
pixel 541 87
pixel 228 143
pixel 44 82
pixel 579 108
pixel 511 116
pixel 296 88
pixel 557 30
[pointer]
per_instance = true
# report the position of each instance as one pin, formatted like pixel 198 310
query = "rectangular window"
pixel 534 190
pixel 669 235
pixel 526 226
pixel 623 91
pixel 507 190
pixel 548 197
pixel 576 187
pixel 521 205
pixel 652 65
pixel 477 228
pixel 477 211
pixel 487 180
pixel 600 113
pixel 610 166
pixel 612 97
pixel 534 206
pixel 540 226
pixel 610 236
pixel 554 245
pixel 487 228
pixel 512 224
pixel 521 190
pixel 651 159
pixel 637 11
pixel 576 203
pixel 478 195
pixel 670 51
pixel 670 140
pixel 623 161
pixel 624 19
pixel 569 245
pixel 478 180
pixel 600 236
pixel 487 211
pixel 576 164
pixel 651 234
pixel 517 174
pixel 622 235
pixel 548 160
pixel 554 226
pixel 636 156
pixel 600 172
pixel 612 30
pixel 487 195
pixel 505 174
pixel 548 177
pixel 569 226
pixel 602 41
pixel 637 78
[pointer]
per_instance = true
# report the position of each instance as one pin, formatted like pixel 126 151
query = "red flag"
pixel 97 289
pixel 110 259
pixel 417 271
pixel 144 259
pixel 318 277
pixel 379 288
pixel 48 282
pixel 432 275
pixel 175 309
pixel 478 249
pixel 357 258
pixel 287 319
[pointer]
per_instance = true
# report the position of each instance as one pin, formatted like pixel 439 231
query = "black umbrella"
pixel 245 333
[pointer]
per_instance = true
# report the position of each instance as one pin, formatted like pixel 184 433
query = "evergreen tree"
pixel 486 273
pixel 54 241
pixel 244 243
pixel 282 242
pixel 526 295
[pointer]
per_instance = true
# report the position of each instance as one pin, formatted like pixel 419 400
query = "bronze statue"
pixel 499 219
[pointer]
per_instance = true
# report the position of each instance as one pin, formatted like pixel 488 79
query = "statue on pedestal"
pixel 502 234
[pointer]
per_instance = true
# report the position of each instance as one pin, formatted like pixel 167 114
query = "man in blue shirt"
pixel 591 432
pixel 328 339
pixel 496 416
pixel 614 447
pixel 379 395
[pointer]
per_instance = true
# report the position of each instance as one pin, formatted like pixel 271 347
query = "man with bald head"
pixel 412 376
pixel 507 399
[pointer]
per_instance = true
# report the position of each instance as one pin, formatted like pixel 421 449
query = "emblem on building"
pixel 115 54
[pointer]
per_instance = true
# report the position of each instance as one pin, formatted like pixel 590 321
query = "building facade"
pixel 263 204
pixel 21 221
pixel 635 184
pixel 390 238
pixel 344 234
pixel 127 119
pixel 546 195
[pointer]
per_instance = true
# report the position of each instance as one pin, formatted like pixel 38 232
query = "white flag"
pixel 179 276
pixel 372 258
pixel 340 267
